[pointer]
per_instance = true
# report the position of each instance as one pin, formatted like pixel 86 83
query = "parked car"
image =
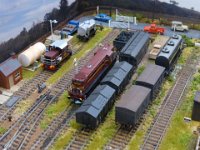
pixel 154 29
pixel 102 17
pixel 178 26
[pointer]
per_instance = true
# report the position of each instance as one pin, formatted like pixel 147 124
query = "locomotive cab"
pixel 58 51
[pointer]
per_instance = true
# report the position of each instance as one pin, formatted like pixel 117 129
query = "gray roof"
pixel 168 49
pixel 151 74
pixel 133 98
pixel 135 44
pixel 9 66
pixel 59 44
pixel 197 97
pixel 94 104
pixel 118 72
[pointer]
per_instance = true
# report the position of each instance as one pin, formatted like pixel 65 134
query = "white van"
pixel 178 26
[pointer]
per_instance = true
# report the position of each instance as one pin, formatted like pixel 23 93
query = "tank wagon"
pixel 91 112
pixel 170 53
pixel 135 48
pixel 91 74
pixel 95 108
pixel 121 40
pixel 58 51
pixel 132 105
pixel 86 29
pixel 152 77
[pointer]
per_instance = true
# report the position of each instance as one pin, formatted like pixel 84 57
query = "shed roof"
pixel 9 66
pixel 197 97
pixel 151 74
pixel 135 44
pixel 133 98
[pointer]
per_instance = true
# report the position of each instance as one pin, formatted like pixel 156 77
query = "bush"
pixel 188 41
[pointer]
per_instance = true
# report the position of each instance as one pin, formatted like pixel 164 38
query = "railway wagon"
pixel 121 40
pixel 119 76
pixel 96 107
pixel 152 77
pixel 135 48
pixel 86 29
pixel 170 53
pixel 132 105
pixel 58 51
pixel 85 81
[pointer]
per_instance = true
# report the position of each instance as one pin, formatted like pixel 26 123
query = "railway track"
pixel 121 138
pixel 24 92
pixel 80 139
pixel 59 123
pixel 12 137
pixel 31 85
pixel 159 126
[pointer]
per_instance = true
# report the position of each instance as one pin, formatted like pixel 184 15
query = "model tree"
pixel 63 8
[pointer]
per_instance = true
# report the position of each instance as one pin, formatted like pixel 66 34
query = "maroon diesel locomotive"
pixel 91 74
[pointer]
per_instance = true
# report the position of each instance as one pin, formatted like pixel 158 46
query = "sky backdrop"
pixel 16 14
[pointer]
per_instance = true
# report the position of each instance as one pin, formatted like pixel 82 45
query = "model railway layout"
pixel 104 79
pixel 49 133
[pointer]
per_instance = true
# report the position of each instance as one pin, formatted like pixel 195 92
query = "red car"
pixel 154 29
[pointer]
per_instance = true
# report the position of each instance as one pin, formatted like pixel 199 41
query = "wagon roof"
pixel 135 43
pixel 133 98
pixel 97 100
pixel 94 62
pixel 9 66
pixel 151 74
pixel 117 74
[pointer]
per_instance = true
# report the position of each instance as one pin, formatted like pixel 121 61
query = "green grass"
pixel 66 136
pixel 85 49
pixel 187 52
pixel 2 130
pixel 184 138
pixel 103 133
pixel 54 110
pixel 140 70
pixel 30 74
pixel 64 139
